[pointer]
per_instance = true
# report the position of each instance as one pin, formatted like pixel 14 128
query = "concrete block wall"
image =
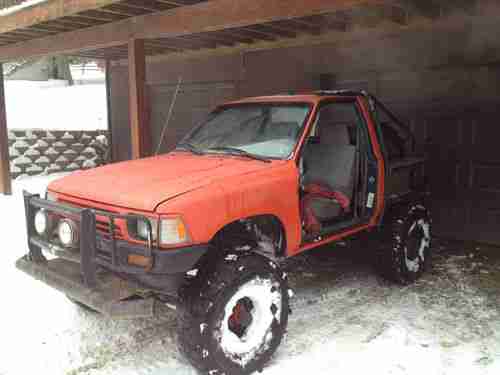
pixel 35 152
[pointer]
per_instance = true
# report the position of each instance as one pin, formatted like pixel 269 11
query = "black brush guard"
pixel 94 249
pixel 98 273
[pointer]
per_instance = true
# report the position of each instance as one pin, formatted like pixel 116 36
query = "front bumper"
pixel 108 297
pixel 84 273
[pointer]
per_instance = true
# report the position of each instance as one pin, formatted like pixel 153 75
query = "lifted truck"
pixel 207 225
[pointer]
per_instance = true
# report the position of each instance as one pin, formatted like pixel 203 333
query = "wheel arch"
pixel 265 232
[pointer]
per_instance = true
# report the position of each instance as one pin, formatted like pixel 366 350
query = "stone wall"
pixel 34 152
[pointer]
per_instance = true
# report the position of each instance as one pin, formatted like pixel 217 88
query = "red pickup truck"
pixel 206 226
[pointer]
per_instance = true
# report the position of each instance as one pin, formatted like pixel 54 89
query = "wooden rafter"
pixel 208 16
pixel 47 11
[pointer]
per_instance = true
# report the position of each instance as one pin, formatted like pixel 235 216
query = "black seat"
pixel 330 162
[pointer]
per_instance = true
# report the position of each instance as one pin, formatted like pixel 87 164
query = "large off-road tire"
pixel 406 250
pixel 233 316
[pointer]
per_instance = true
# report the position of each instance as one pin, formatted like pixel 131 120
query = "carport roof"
pixel 103 28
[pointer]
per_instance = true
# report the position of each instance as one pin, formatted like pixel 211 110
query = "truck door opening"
pixel 330 170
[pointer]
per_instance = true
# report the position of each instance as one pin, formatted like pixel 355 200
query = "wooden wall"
pixel 443 80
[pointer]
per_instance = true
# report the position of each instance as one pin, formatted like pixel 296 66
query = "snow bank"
pixel 41 105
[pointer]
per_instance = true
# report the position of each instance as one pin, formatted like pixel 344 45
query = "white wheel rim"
pixel 415 264
pixel 263 293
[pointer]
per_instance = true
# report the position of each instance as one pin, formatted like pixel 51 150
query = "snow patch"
pixel 243 248
pixel 79 107
pixel 414 265
pixel 231 257
pixel 192 272
pixel 266 246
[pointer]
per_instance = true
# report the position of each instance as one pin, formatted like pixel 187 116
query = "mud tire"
pixel 405 253
pixel 204 309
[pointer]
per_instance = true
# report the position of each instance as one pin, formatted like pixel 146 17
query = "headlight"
pixel 41 222
pixel 173 231
pixel 68 233
pixel 142 229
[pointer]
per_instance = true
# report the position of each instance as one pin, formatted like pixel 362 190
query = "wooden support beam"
pixel 5 183
pixel 111 145
pixel 207 16
pixel 47 11
pixel 139 126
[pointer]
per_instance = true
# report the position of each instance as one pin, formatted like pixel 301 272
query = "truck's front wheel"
pixel 234 318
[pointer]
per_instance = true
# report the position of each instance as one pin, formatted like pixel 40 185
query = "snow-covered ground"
pixel 47 105
pixel 346 320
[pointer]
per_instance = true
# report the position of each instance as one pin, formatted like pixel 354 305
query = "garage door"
pixel 464 170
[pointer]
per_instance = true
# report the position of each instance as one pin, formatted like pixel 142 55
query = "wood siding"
pixel 445 85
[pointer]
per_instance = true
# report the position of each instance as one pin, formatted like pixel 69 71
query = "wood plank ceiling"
pixel 394 11
pixel 272 31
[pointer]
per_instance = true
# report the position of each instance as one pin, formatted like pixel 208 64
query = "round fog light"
pixel 68 233
pixel 41 222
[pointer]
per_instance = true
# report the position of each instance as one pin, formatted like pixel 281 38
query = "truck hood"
pixel 146 183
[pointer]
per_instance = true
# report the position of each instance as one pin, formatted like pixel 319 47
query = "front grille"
pixel 103 226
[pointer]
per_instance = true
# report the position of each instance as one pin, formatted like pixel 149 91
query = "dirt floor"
pixel 346 319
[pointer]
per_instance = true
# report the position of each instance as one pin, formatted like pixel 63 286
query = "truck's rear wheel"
pixel 406 253
pixel 233 320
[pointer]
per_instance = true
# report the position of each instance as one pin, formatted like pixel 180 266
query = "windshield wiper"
pixel 189 147
pixel 239 152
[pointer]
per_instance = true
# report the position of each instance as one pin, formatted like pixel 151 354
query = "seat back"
pixel 331 161
pixel 279 130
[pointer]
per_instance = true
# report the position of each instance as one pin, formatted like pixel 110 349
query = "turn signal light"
pixel 139 260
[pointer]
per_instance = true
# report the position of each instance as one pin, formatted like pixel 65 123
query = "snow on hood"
pixel 145 183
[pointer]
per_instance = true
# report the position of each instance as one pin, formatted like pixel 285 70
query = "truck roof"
pixel 311 97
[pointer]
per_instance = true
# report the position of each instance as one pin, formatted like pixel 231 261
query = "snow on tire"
pixel 233 319
pixel 406 253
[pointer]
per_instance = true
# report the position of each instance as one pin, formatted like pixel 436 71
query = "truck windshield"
pixel 262 130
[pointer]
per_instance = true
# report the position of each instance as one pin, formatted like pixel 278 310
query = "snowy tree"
pixel 59 68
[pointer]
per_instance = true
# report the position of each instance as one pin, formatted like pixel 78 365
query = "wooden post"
pixel 111 145
pixel 5 183
pixel 139 126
